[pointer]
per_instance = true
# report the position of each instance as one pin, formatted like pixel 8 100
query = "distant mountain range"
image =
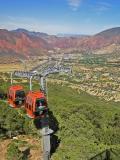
pixel 71 35
pixel 25 43
pixel 30 33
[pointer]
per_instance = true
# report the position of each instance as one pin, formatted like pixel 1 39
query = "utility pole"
pixel 46 131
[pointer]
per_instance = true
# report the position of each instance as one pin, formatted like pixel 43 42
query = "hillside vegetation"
pixel 84 125
pixel 22 43
pixel 87 125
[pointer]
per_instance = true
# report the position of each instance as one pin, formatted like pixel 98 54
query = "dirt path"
pixel 3 148
pixel 35 149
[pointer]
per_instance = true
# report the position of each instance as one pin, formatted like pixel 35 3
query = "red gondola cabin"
pixel 16 96
pixel 36 104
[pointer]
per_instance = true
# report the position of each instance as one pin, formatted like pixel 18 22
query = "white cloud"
pixel 101 7
pixel 110 26
pixel 74 4
pixel 33 24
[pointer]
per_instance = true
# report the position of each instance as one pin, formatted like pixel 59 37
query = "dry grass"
pixel 3 148
pixel 35 149
pixel 10 67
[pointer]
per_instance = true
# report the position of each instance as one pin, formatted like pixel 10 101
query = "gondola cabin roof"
pixel 16 87
pixel 35 95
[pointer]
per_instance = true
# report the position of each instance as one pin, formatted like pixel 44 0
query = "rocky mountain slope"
pixel 24 43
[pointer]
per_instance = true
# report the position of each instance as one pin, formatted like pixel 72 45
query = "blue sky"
pixel 60 16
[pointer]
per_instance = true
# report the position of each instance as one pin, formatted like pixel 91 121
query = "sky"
pixel 60 16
